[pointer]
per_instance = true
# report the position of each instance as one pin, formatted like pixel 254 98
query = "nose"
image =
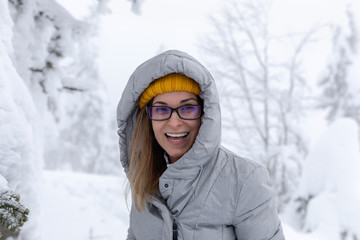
pixel 174 120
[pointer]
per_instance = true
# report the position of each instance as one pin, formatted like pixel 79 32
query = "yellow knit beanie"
pixel 169 83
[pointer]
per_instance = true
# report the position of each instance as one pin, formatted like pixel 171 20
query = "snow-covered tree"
pixel 136 5
pixel 20 132
pixel 55 54
pixel 340 82
pixel 327 200
pixel 13 214
pixel 49 92
pixel 261 89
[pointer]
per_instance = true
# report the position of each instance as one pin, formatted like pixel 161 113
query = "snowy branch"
pixel 13 214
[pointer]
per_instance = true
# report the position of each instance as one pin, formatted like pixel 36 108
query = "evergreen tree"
pixel 13 214
pixel 58 62
pixel 340 97
pixel 325 202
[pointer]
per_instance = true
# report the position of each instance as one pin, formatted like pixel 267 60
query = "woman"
pixel 184 184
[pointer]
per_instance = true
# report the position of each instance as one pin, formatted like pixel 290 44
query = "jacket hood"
pixel 208 138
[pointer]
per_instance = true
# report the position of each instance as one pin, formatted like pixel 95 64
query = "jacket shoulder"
pixel 237 166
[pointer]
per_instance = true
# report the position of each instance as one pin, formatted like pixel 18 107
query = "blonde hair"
pixel 147 162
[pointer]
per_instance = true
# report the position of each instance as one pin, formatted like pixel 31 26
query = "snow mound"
pixel 83 206
pixel 327 202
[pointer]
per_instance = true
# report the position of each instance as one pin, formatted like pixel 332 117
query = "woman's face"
pixel 175 135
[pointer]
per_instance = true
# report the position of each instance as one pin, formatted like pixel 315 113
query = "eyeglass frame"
pixel 174 110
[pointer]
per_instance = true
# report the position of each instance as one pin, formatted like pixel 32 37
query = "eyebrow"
pixel 182 101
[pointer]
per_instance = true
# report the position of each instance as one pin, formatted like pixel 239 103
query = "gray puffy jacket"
pixel 210 193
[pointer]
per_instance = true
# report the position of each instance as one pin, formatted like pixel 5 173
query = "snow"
pixel 330 183
pixel 335 151
pixel 5 29
pixel 354 73
pixel 3 184
pixel 83 206
pixel 20 134
pixel 291 234
pixel 30 83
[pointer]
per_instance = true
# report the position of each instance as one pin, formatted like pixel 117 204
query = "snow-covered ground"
pixel 77 206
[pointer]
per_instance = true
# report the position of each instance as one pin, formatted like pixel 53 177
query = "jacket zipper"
pixel 173 218
pixel 175 228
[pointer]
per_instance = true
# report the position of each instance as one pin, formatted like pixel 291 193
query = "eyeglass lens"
pixel 188 112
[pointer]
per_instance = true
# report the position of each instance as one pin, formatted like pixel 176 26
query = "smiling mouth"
pixel 176 136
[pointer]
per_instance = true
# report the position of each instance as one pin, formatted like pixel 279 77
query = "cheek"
pixel 156 129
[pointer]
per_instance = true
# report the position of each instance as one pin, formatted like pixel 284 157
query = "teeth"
pixel 176 134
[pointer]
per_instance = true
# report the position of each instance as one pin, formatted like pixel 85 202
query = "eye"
pixel 161 110
pixel 189 109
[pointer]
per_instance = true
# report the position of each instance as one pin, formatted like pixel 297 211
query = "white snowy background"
pixel 63 65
